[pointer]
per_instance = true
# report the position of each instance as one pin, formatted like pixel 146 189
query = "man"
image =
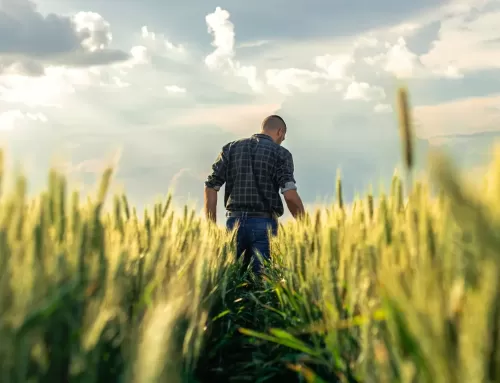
pixel 254 170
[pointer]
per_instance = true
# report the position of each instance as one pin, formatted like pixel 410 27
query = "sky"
pixel 158 88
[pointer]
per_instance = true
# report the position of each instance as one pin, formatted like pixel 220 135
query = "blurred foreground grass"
pixel 394 289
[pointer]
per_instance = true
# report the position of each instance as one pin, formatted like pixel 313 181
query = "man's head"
pixel 275 127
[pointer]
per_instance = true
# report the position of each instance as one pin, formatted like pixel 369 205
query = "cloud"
pixel 286 81
pixel 159 43
pixel 397 60
pixel 174 89
pixel 446 42
pixel 368 40
pixel 405 29
pixel 9 120
pixel 382 108
pixel 48 90
pixel 253 44
pixel 468 115
pixel 31 41
pixel 222 30
pixel 329 70
pixel 469 40
pixel 59 81
pixel 303 80
pixel 363 91
pixel 400 61
pixel 334 66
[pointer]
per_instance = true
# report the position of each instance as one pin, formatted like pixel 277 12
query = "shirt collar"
pixel 263 136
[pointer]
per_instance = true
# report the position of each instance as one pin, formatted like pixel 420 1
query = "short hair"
pixel 270 122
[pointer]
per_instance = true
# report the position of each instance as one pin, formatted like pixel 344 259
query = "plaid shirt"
pixel 272 167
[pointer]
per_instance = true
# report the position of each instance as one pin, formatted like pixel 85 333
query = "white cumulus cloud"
pixel 95 28
pixel 335 66
pixel 223 57
pixel 400 61
pixel 222 30
pixel 174 89
pixel 286 80
pixel 160 43
pixel 363 91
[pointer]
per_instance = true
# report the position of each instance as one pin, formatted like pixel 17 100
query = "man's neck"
pixel 266 134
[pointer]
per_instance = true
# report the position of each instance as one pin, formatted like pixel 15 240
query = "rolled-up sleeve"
pixel 217 177
pixel 285 170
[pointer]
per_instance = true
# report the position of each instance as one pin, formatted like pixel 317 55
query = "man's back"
pixel 254 169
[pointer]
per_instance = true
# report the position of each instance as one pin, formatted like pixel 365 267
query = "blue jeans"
pixel 252 236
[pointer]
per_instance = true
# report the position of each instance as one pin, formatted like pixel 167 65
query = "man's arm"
pixel 294 203
pixel 213 184
pixel 211 204
pixel 286 181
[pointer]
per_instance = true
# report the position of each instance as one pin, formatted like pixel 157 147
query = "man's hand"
pixel 294 204
pixel 211 204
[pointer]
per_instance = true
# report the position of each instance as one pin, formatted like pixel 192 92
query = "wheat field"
pixel 399 288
